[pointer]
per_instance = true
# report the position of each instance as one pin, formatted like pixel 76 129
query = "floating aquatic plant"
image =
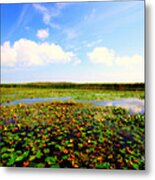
pixel 73 135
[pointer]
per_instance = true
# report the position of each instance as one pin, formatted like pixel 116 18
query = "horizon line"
pixel 72 82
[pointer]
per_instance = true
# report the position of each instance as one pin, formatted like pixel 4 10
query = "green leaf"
pixel 65 157
pixel 57 146
pixel 23 133
pixel 11 161
pixel 76 152
pixel 11 150
pixel 61 148
pixel 19 158
pixel 101 139
pixel 105 165
pixel 5 155
pixel 59 137
pixel 4 149
pixel 89 132
pixel 70 145
pixel 32 158
pixel 19 152
pixel 66 142
pixel 26 153
pixel 16 137
pixel 80 145
pixel 51 160
pixel 46 150
pixel 136 166
pixel 92 149
pixel 38 154
pixel 55 166
pixel 40 165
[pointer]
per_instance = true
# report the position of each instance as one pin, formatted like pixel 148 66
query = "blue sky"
pixel 77 42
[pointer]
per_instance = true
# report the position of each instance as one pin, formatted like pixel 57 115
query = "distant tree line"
pixel 103 86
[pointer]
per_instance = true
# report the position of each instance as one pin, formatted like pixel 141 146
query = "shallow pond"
pixel 35 100
pixel 134 105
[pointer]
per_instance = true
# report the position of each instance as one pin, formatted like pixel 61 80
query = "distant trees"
pixel 65 85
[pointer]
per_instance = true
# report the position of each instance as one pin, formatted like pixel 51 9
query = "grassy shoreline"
pixel 11 94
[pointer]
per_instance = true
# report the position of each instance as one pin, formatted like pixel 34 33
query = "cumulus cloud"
pixel 127 68
pixel 42 34
pixel 133 67
pixel 127 61
pixel 101 55
pixel 25 52
pixel 8 54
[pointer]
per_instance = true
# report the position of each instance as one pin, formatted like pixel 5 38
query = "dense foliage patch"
pixel 72 135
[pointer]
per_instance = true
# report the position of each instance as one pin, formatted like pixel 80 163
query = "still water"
pixel 134 105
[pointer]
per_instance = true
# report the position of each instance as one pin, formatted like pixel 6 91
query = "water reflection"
pixel 134 105
pixel 35 100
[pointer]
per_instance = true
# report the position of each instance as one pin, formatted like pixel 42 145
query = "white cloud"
pixel 127 61
pixel 42 33
pixel 25 52
pixel 44 11
pixel 132 67
pixel 8 54
pixel 122 68
pixel 49 13
pixel 93 43
pixel 46 15
pixel 101 55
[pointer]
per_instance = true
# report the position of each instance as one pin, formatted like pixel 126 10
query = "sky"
pixel 72 42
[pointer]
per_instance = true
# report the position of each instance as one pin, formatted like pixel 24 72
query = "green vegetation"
pixel 10 94
pixel 71 135
pixel 67 85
